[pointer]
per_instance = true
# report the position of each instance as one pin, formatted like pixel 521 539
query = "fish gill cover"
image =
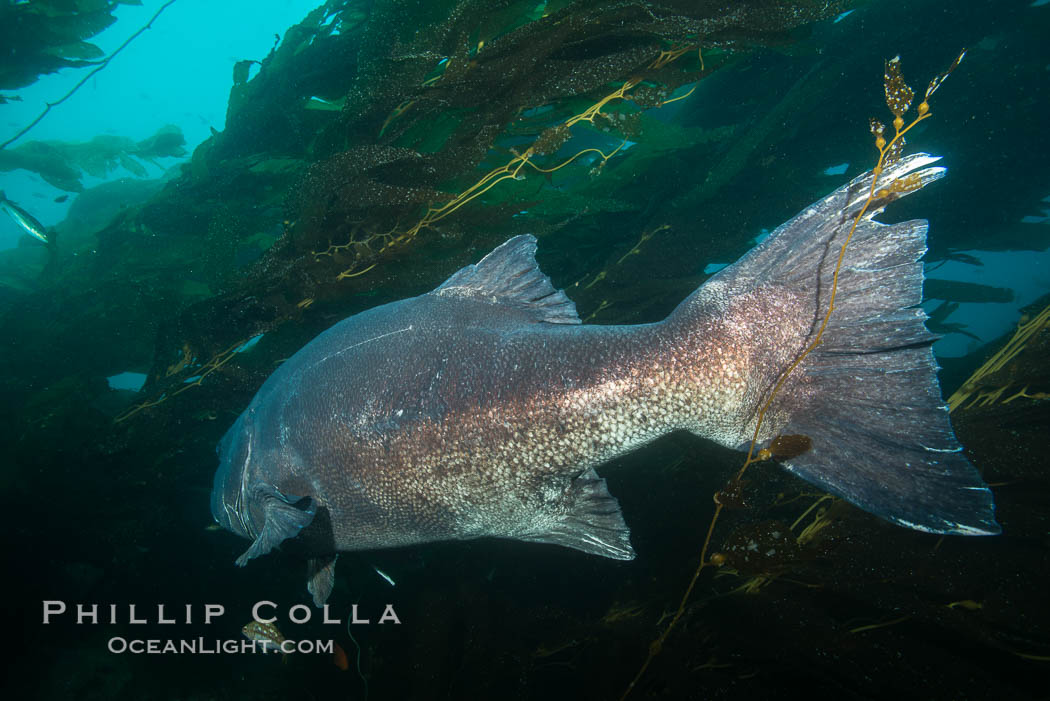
pixel 383 145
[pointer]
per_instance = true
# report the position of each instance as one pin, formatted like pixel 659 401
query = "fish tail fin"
pixel 866 397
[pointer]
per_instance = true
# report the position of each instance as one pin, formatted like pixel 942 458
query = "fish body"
pixel 24 219
pixel 264 633
pixel 484 408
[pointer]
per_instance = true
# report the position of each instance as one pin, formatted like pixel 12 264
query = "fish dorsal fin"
pixel 510 276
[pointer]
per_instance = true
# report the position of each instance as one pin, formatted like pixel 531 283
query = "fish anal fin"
pixel 595 525
pixel 510 276
pixel 321 578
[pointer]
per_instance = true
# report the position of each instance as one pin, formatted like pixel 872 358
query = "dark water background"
pixel 104 509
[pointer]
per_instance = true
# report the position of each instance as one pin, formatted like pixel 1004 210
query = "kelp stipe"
pixel 889 326
pixel 987 385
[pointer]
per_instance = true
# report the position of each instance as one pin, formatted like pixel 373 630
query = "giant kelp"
pixel 395 143
pixel 63 164
pixel 45 36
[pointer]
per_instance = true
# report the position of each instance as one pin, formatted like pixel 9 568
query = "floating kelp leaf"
pixel 100 155
pixel 47 160
pixel 133 166
pixel 89 5
pixel 43 37
pixel 76 49
pixel 958 291
pixel 898 94
pixel 241 70
pixel 167 142
pixel 430 136
pixel 62 163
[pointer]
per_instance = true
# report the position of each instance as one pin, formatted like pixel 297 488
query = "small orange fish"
pixel 267 634
pixel 339 657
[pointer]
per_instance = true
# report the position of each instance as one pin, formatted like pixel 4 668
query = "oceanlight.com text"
pixel 215 646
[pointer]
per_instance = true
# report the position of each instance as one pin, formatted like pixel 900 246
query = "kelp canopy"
pixel 62 164
pixel 381 146
pixel 45 36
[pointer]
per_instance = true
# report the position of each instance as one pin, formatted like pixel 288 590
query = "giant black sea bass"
pixel 485 408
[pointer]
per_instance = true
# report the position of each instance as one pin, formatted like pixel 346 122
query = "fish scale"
pixel 484 408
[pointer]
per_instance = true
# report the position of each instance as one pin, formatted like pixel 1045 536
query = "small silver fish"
pixel 24 219
pixel 384 575
pixel 484 407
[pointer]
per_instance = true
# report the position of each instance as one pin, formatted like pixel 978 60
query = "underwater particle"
pixel 760 548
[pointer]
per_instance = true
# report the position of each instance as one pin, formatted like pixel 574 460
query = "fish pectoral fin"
pixel 595 524
pixel 284 515
pixel 321 578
